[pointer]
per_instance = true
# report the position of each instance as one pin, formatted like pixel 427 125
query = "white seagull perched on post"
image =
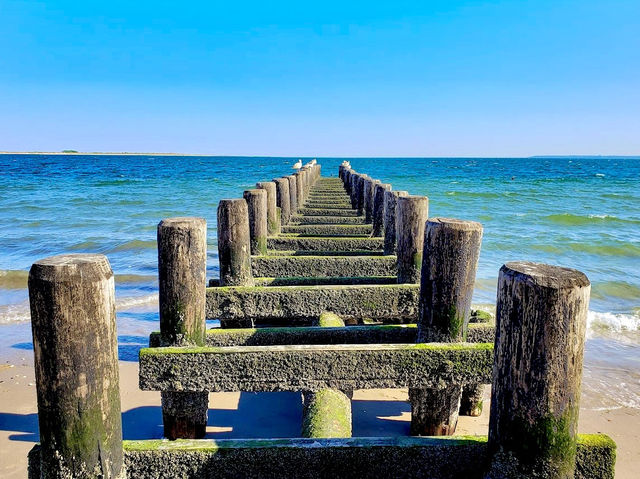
pixel 297 165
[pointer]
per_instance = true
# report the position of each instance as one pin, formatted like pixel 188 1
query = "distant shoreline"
pixel 102 153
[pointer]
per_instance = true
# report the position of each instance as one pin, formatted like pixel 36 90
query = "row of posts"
pixel 442 255
pixel 245 223
pixel 540 331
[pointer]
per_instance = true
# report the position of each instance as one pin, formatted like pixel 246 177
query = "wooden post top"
pixel 545 275
pixel 72 267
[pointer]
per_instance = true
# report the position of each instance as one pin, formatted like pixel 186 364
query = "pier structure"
pixel 323 303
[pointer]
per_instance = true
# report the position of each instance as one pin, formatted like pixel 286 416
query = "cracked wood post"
pixel 234 250
pixel 378 208
pixel 449 264
pixel 283 199
pixel 73 320
pixel 541 316
pixel 182 267
pixel 293 194
pixel 360 193
pixel 390 207
pixel 327 413
pixel 300 188
pixel 354 190
pixel 411 216
pixel 273 219
pixel 369 189
pixel 257 206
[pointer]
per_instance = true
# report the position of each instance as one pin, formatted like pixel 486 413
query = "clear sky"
pixel 322 78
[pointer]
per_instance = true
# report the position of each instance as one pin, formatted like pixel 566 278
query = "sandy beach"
pixel 251 415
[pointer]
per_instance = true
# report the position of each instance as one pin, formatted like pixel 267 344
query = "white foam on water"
pixel 146 302
pixel 615 322
pixel 15 313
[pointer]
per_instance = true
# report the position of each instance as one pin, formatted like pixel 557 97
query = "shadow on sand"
pixel 258 415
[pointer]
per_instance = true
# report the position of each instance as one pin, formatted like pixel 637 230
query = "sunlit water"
pixel 577 212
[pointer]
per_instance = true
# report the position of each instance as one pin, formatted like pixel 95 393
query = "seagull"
pixel 297 165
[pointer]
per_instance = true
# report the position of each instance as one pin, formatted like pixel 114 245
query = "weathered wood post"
pixel 411 216
pixel 300 189
pixel 390 206
pixel 360 193
pixel 273 216
pixel 73 321
pixel 293 194
pixel 283 199
pixel 369 191
pixel 449 264
pixel 257 206
pixel 378 208
pixel 234 250
pixel 354 190
pixel 537 370
pixel 182 266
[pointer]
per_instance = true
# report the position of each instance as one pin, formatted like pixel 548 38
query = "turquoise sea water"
pixel 577 212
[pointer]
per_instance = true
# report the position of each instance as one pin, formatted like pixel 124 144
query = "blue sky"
pixel 350 78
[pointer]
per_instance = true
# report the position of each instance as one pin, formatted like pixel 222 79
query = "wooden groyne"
pixel 326 285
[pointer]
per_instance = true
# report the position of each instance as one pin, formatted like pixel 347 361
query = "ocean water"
pixel 577 212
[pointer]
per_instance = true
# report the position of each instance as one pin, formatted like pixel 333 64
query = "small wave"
pixel 13 279
pixel 616 289
pixel 569 219
pixel 135 278
pixel 134 245
pixel 84 246
pixel 114 182
pixel 20 313
pixel 15 313
pixel 616 322
pixel 137 302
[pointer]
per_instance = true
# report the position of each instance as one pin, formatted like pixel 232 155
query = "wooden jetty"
pixel 326 285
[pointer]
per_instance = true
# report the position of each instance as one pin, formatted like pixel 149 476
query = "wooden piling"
pixel 273 219
pixel 293 194
pixel 412 213
pixel 449 263
pixel 182 265
pixel 368 193
pixel 234 250
pixel 257 206
pixel 300 190
pixel 360 187
pixel 540 334
pixel 378 208
pixel 283 199
pixel 390 207
pixel 73 321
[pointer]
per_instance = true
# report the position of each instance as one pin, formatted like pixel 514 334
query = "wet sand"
pixel 251 415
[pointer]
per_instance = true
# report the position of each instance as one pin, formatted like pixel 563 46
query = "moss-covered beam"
pixel 320 243
pixel 246 306
pixel 372 334
pixel 436 458
pixel 334 230
pixel 321 266
pixel 327 212
pixel 327 219
pixel 304 367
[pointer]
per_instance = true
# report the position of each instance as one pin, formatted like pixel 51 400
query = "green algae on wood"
pixel 327 414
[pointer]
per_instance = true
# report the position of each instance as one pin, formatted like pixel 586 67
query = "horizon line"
pixel 126 153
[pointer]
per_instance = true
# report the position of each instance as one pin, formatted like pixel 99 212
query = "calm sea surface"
pixel 578 212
